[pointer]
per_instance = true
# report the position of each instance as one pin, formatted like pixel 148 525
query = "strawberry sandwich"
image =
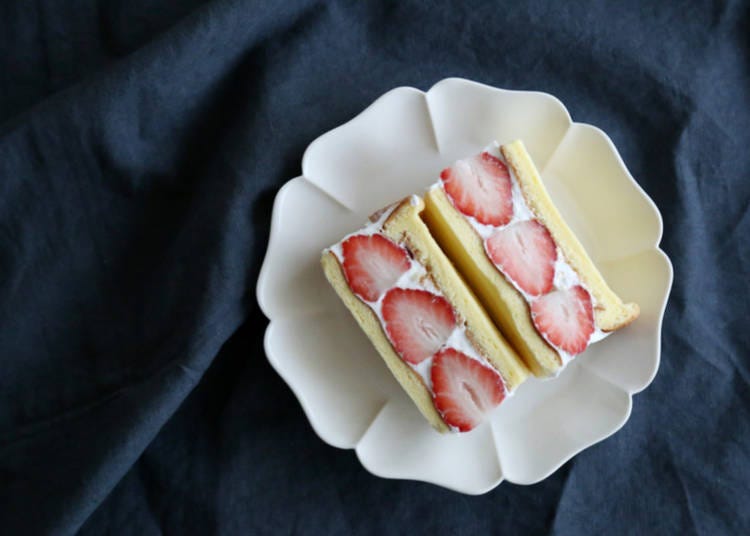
pixel 523 275
pixel 493 217
pixel 423 319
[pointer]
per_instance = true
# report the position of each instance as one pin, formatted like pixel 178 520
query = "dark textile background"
pixel 141 145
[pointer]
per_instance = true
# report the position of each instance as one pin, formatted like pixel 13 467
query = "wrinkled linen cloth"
pixel 141 146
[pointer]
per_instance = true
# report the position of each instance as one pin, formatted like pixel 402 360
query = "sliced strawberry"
pixel 526 253
pixel 479 186
pixel 373 264
pixel 565 318
pixel 418 322
pixel 464 389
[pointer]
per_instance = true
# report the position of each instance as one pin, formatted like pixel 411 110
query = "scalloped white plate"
pixel 396 147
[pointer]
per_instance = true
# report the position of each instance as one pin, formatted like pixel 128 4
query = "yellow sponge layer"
pixel 503 302
pixel 610 312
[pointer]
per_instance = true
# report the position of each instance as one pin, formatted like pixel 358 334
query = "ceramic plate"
pixel 396 147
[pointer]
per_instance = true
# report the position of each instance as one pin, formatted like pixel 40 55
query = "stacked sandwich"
pixel 468 290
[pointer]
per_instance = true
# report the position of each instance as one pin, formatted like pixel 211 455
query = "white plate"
pixel 396 147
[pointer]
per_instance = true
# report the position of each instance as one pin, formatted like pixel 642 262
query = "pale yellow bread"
pixel 505 304
pixel 502 301
pixel 404 226
pixel 368 321
pixel 611 312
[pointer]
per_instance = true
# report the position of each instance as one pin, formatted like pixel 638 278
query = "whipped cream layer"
pixel 565 276
pixel 416 277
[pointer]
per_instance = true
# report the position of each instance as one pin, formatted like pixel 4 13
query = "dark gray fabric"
pixel 141 145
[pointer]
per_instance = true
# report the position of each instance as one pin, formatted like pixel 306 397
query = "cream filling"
pixel 565 276
pixel 416 277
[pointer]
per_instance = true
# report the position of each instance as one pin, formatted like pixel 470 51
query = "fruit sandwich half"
pixel 493 217
pixel 423 319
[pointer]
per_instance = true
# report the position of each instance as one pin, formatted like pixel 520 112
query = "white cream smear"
pixel 416 277
pixel 565 276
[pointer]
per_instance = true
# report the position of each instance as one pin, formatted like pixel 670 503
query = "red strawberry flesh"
pixel 418 322
pixel 526 253
pixel 464 390
pixel 565 318
pixel 480 187
pixel 373 264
